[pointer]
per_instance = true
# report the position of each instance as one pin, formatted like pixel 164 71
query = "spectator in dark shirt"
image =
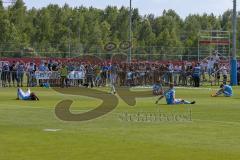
pixel 5 75
pixel 89 75
pixel 20 74
pixel 13 70
pixel 238 75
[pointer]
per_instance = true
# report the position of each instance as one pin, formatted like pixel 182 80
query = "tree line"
pixel 88 30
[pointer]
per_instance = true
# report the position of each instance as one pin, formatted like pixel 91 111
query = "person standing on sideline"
pixel 89 75
pixel 238 74
pixel 196 75
pixel 113 77
pixel 224 73
pixel 5 75
pixel 63 74
pixel 13 70
pixel 20 74
pixel 30 74
pixel 210 65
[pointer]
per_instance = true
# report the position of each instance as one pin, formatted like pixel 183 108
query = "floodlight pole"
pixel 198 56
pixel 130 32
pixel 79 38
pixel 234 46
pixel 69 38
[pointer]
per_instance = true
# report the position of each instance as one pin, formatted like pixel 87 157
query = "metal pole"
pixel 234 28
pixel 69 38
pixel 234 43
pixel 198 50
pixel 130 32
pixel 79 38
pixel 69 47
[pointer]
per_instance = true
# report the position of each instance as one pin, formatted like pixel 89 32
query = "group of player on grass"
pixel 158 90
pixel 169 94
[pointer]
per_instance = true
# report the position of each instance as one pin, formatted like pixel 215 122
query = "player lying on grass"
pixel 170 97
pixel 226 90
pixel 21 95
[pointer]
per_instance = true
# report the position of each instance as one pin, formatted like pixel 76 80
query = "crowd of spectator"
pixel 128 74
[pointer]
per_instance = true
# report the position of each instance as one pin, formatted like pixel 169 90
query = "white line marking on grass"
pixel 51 130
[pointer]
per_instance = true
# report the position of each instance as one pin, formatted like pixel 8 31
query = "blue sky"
pixel 182 7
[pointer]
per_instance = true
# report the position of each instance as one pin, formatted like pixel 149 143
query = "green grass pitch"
pixel 213 133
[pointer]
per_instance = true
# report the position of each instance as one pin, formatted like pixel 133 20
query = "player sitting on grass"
pixel 157 88
pixel 26 95
pixel 170 97
pixel 226 90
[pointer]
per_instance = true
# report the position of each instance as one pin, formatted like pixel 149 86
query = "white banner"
pixel 76 75
pixel 56 75
pixel 47 75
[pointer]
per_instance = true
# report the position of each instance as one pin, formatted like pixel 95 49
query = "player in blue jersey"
pixel 171 99
pixel 226 90
pixel 21 95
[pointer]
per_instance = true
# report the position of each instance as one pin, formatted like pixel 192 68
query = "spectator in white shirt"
pixel 210 65
pixel 224 73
